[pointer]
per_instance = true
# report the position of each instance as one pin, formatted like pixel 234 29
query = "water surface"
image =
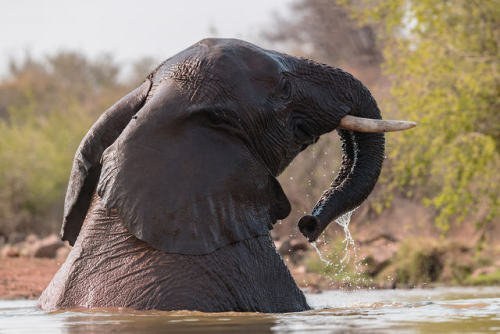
pixel 442 310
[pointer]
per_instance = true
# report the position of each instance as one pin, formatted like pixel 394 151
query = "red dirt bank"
pixel 23 277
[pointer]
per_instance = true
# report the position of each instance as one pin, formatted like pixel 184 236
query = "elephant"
pixel 173 191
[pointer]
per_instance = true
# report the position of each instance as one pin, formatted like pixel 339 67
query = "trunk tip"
pixel 309 226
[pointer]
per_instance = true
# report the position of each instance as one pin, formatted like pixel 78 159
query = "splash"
pixel 343 272
pixel 328 263
pixel 344 221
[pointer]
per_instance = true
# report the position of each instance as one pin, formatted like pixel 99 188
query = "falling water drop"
pixel 344 221
pixel 328 263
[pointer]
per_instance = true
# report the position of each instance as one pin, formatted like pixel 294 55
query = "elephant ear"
pixel 86 164
pixel 184 186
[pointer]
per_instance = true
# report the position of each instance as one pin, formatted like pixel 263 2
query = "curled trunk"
pixel 363 155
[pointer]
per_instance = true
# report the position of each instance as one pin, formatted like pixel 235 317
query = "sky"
pixel 126 29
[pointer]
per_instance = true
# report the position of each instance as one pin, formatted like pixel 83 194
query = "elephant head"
pixel 189 159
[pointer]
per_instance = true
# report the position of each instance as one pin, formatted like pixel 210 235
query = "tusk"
pixel 360 124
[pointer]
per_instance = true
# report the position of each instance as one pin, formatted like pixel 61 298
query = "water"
pixel 449 310
pixel 343 221
pixel 322 259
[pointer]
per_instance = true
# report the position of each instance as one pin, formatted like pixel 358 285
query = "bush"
pixel 443 58
pixel 416 263
pixel 35 160
pixel 46 107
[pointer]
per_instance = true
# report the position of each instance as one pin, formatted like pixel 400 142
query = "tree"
pixel 443 58
pixel 323 29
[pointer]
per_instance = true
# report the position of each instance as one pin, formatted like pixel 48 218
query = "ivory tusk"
pixel 360 124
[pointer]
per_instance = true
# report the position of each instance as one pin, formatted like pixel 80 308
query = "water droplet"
pixel 344 221
pixel 328 263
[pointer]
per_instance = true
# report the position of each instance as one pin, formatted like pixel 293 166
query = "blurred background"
pixel 435 213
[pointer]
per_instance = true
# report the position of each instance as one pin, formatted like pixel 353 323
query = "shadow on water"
pixel 464 310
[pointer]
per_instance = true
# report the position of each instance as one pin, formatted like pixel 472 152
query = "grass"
pixel 485 279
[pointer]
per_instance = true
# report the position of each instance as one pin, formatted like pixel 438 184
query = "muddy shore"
pixel 25 277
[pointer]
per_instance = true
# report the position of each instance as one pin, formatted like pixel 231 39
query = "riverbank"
pixel 381 262
pixel 25 278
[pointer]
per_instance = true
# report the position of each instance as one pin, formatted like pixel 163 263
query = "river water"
pixel 441 310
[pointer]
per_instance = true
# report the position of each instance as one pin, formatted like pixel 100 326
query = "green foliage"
pixel 422 261
pixel 417 265
pixel 485 279
pixel 444 60
pixel 35 157
pixel 45 110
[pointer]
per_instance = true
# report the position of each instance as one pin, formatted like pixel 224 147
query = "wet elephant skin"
pixel 173 190
pixel 109 267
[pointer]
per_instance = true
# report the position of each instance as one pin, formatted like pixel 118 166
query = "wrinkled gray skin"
pixel 173 190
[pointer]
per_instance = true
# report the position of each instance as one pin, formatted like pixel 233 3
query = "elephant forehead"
pixel 222 69
pixel 245 59
pixel 231 60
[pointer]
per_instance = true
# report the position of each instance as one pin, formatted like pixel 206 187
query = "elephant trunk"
pixel 363 155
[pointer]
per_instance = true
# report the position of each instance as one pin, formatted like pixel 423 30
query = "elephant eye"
pixel 218 119
pixel 303 134
pixel 214 119
pixel 285 90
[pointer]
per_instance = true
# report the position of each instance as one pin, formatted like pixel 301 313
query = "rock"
pixel 46 247
pixel 26 247
pixel 62 253
pixel 294 248
pixel 300 269
pixel 9 251
pixel 383 250
pixel 377 254
pixel 297 244
pixel 31 238
pixel 291 246
pixel 381 236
